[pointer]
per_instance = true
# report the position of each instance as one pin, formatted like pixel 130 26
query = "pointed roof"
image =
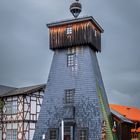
pixel 129 112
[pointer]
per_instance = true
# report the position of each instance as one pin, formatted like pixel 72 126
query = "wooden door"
pixel 67 137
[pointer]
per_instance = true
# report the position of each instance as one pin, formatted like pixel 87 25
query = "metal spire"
pixel 76 8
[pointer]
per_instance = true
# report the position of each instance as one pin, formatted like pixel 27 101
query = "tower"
pixel 75 105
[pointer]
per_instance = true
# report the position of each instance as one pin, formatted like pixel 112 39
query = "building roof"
pixel 121 117
pixel 131 113
pixel 70 21
pixel 5 89
pixel 24 90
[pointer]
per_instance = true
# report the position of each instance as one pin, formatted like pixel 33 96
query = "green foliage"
pixel 139 136
pixel 1 104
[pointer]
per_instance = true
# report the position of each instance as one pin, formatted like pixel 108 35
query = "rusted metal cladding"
pixel 82 33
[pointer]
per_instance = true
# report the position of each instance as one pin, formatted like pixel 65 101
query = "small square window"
pixel 67 130
pixel 71 60
pixel 69 96
pixel 14 107
pixel 83 134
pixel 53 134
pixel 11 134
pixel 69 30
pixel 11 107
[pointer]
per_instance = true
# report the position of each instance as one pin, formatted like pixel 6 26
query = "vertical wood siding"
pixel 83 33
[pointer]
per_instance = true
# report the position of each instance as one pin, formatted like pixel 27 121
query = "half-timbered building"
pixel 19 110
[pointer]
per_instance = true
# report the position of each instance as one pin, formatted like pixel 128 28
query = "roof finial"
pixel 76 8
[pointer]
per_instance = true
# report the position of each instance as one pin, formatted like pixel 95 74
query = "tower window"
pixel 69 96
pixel 83 134
pixel 53 134
pixel 69 30
pixel 71 60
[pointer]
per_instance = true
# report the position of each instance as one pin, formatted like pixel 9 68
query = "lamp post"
pixel 43 137
pixel 62 130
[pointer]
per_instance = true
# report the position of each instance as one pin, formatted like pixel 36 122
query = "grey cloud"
pixel 25 57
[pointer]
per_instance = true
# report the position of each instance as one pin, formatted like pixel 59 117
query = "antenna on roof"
pixel 76 8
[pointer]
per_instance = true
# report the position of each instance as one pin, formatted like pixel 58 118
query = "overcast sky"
pixel 25 57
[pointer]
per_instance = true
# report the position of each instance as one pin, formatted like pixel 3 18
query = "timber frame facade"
pixel 19 111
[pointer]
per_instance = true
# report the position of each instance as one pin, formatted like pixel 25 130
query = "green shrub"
pixel 1 104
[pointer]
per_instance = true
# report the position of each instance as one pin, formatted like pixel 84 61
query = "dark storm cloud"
pixel 25 57
pixel 123 50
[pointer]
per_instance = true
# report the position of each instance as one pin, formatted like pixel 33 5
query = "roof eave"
pixel 70 21
pixel 41 88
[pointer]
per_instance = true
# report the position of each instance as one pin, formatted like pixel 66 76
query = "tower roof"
pixel 77 20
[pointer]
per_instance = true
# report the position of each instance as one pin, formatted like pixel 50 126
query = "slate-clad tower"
pixel 75 104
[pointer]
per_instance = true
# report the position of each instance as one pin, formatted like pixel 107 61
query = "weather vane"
pixel 76 8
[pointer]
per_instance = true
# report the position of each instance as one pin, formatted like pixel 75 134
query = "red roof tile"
pixel 131 113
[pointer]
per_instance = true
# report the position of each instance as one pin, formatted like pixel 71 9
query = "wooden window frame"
pixel 69 30
pixel 12 132
pixel 11 108
pixel 69 96
pixel 56 131
pixel 79 133
pixel 71 59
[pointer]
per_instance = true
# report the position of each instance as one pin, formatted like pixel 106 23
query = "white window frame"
pixel 71 59
pixel 11 134
pixel 11 107
pixel 69 30
pixel 69 96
